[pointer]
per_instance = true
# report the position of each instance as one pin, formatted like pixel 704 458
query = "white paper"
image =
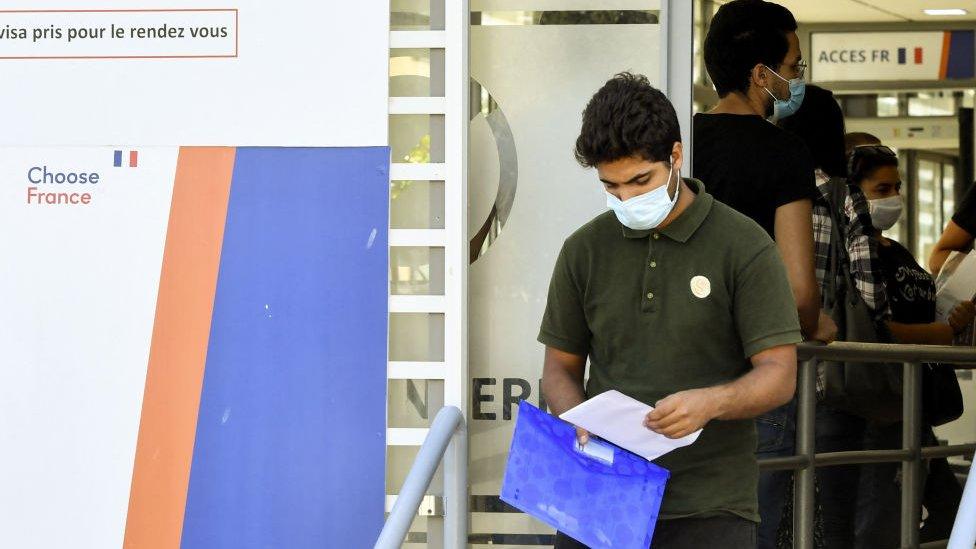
pixel 615 417
pixel 959 285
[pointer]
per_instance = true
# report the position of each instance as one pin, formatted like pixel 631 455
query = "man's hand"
pixel 682 413
pixel 826 329
pixel 582 436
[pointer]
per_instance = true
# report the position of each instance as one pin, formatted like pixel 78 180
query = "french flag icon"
pixel 133 159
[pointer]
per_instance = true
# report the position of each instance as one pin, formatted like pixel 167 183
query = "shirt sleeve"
pixel 763 305
pixel 564 325
pixel 821 239
pixel 965 215
pixel 797 180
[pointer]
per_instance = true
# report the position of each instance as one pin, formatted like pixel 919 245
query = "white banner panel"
pixel 79 287
pixel 118 34
pixel 861 56
pixel 192 72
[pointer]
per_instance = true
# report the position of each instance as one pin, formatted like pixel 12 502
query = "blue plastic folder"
pixel 604 497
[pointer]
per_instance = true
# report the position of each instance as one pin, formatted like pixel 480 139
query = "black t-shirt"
pixel 911 290
pixel 965 215
pixel 751 165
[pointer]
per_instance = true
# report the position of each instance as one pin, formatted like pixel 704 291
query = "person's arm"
pixel 769 384
pixel 562 383
pixel 929 333
pixel 794 238
pixel 566 335
pixel 562 380
pixel 953 239
pixel 935 333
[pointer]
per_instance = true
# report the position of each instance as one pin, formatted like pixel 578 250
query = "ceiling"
pixel 876 11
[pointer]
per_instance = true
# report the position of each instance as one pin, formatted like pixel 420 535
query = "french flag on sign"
pixel 903 56
pixel 133 159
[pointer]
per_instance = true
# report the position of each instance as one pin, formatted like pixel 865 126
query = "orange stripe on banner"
pixel 178 352
pixel 944 63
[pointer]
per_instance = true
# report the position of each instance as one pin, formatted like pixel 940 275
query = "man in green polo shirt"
pixel 678 301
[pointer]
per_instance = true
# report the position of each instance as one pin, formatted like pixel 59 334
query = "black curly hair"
pixel 627 117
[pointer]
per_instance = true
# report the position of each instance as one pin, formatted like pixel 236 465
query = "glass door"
pixel 534 64
pixel 930 197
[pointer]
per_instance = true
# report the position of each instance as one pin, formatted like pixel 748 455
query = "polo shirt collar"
pixel 681 229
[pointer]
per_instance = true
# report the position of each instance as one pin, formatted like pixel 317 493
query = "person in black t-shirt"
pixel 753 57
pixel 911 293
pixel 959 233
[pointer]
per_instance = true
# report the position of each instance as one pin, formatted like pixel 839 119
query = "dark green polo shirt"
pixel 683 307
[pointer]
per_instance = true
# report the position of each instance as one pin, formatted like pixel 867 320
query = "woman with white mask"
pixel 910 288
pixel 911 300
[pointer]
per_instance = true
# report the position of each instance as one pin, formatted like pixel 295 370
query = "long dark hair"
pixel 819 123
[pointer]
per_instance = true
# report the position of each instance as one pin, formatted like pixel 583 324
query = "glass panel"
pixel 417 204
pixel 414 402
pixel 526 194
pixel 406 15
pixel 417 138
pixel 888 104
pixel 859 105
pixel 602 17
pixel 928 207
pixel 417 337
pixel 398 462
pixel 563 5
pixel 416 270
pixel 969 98
pixel 948 193
pixel 698 36
pixel 411 69
pixel 932 104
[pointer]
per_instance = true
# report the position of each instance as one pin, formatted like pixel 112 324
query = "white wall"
pixel 307 73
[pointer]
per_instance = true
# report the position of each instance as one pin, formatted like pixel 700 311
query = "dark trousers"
pixel 878 524
pixel 838 431
pixel 879 497
pixel 776 434
pixel 727 532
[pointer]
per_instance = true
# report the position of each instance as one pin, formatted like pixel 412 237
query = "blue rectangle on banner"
pixel 962 50
pixel 290 443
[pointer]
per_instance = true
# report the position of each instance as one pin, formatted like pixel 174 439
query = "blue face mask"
pixel 648 210
pixel 786 107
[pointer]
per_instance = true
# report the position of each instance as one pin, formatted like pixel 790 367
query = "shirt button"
pixel 653 264
pixel 650 295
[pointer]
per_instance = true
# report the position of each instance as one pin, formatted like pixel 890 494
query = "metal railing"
pixel 446 441
pixel 805 460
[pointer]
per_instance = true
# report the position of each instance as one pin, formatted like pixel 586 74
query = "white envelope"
pixel 615 417
pixel 956 282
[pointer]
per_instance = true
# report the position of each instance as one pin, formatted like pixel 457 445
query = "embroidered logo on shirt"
pixel 701 287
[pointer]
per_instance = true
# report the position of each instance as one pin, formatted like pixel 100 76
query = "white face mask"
pixel 885 212
pixel 648 210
